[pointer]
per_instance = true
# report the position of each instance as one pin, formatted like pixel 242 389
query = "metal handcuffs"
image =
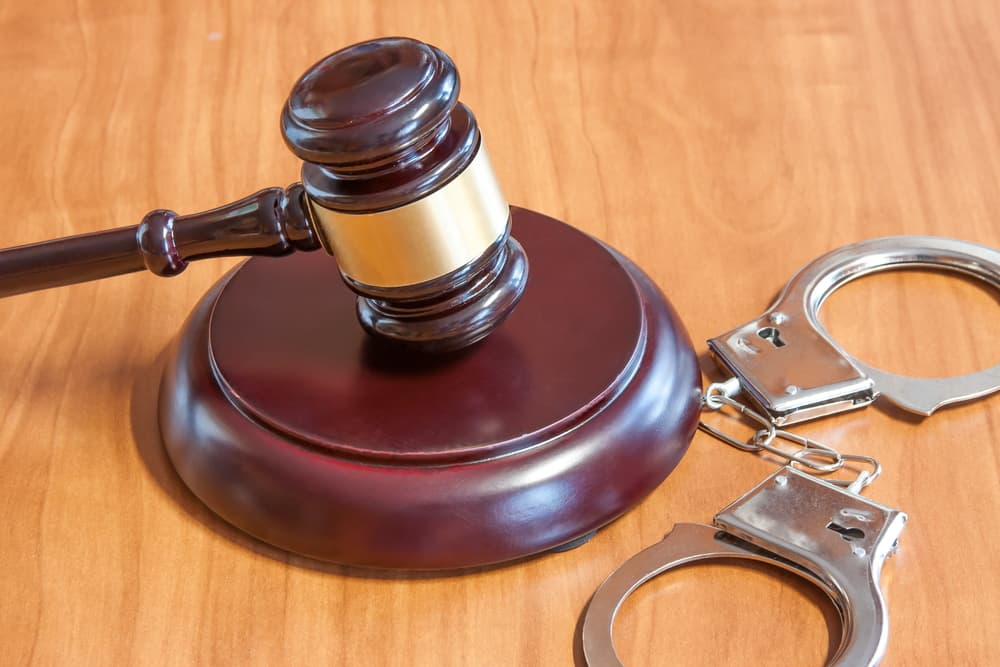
pixel 792 369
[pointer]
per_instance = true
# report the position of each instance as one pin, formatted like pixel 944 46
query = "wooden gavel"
pixel 298 428
pixel 396 184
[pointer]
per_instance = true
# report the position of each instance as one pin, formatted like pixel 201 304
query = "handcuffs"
pixel 791 370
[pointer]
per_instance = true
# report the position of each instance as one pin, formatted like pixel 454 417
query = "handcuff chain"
pixel 811 456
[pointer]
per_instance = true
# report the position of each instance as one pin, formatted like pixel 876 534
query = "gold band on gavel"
pixel 421 240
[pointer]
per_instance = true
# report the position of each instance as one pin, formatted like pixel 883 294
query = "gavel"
pixel 396 184
pixel 303 431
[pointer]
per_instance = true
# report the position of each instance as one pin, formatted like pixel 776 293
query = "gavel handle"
pixel 270 222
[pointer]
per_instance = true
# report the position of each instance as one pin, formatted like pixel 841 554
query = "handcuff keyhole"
pixel 771 335
pixel 849 534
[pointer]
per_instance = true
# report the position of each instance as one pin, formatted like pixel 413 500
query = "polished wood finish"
pixel 271 222
pixel 719 145
pixel 304 431
pixel 450 312
pixel 379 125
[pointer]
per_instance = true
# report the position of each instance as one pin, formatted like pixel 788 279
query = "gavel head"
pixel 401 191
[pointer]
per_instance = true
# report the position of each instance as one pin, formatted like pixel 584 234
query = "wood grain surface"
pixel 720 145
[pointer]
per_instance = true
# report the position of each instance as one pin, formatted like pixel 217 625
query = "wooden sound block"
pixel 291 423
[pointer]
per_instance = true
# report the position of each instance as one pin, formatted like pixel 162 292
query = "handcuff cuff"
pixel 791 370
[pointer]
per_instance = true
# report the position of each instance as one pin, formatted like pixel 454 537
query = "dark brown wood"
pixel 451 312
pixel 296 427
pixel 270 222
pixel 379 125
pixel 70 260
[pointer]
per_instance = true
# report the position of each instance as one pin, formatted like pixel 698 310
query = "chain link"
pixel 796 450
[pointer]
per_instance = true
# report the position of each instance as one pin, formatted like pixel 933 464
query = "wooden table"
pixel 719 145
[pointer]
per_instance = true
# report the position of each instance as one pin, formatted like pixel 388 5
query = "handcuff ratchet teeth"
pixel 792 370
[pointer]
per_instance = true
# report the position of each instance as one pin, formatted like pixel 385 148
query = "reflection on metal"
pixel 424 239
pixel 832 537
pixel 791 367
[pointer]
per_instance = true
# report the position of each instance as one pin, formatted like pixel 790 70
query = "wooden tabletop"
pixel 720 145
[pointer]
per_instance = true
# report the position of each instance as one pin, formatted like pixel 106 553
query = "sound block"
pixel 292 424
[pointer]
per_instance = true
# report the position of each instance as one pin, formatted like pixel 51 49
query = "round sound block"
pixel 291 423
